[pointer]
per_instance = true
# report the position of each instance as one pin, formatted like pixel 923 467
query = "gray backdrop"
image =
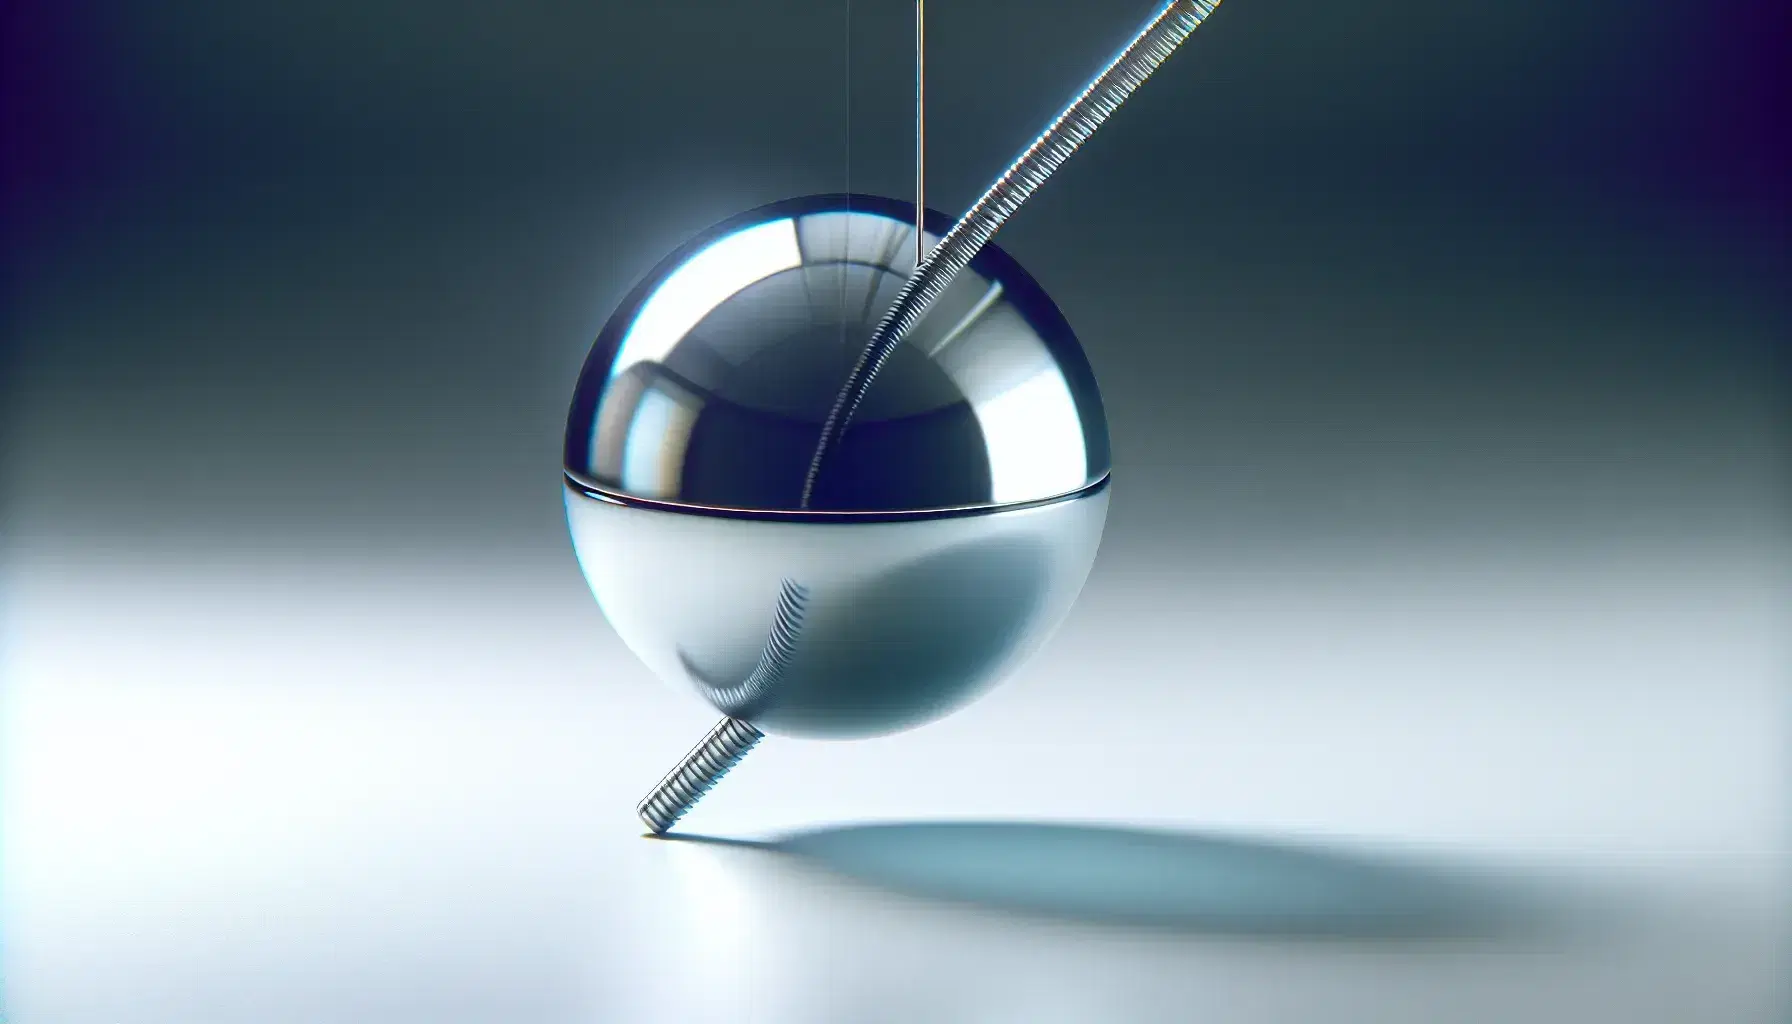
pixel 1443 346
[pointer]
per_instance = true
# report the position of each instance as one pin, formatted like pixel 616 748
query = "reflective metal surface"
pixel 834 627
pixel 709 386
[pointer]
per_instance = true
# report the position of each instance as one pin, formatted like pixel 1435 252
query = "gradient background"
pixel 1444 347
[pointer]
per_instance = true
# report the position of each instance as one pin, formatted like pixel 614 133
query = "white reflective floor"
pixel 351 791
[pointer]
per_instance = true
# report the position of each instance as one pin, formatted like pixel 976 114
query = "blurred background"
pixel 1444 348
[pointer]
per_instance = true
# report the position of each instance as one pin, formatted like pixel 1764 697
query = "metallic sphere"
pixel 950 531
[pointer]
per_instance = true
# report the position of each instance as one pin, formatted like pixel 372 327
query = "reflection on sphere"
pixel 710 384
pixel 950 530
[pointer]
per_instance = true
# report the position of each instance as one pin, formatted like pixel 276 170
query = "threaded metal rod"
pixel 696 772
pixel 1069 130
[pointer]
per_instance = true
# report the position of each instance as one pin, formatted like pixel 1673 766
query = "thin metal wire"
pixel 920 132
pixel 846 135
pixel 1070 129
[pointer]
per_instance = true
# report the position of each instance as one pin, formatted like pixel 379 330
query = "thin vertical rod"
pixel 1070 129
pixel 846 137
pixel 920 132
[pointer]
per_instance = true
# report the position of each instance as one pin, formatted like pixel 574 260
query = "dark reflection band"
pixel 590 489
pixel 712 383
